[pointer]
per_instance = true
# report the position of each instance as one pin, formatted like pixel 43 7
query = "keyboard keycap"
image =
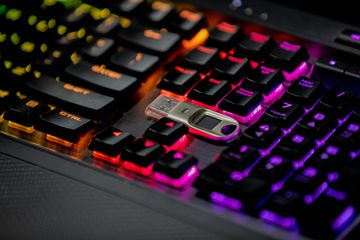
pixel 224 35
pixel 166 131
pixel 305 91
pixel 64 125
pixel 263 134
pixel 188 23
pixel 285 113
pixel 155 42
pixel 109 143
pixel 179 80
pixel 255 46
pixel 330 71
pixel 330 158
pixel 242 102
pixel 53 63
pixel 159 12
pixel 102 79
pixel 134 63
pixel 140 156
pixel 98 50
pixel 25 112
pixel 129 8
pixel 263 79
pixel 232 69
pixel 79 99
pixel 109 26
pixel 288 56
pixel 295 146
pixel 348 135
pixel 202 59
pixel 340 102
pixel 175 169
pixel 209 91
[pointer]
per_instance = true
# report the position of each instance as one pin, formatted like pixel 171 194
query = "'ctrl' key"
pixel 63 127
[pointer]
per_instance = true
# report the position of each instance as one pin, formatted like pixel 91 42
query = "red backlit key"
pixel 140 156
pixel 255 46
pixel 175 169
pixel 188 23
pixel 232 69
pixel 209 91
pixel 160 43
pixel 63 127
pixel 202 58
pixel 102 79
pixel 108 144
pixel 133 62
pixel 225 35
pixel 242 102
pixel 288 56
pixel 179 80
pixel 166 131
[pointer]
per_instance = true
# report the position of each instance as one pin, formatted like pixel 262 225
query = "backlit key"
pixel 202 58
pixel 188 23
pixel 224 35
pixel 179 80
pixel 98 49
pixel 63 127
pixel 232 69
pixel 255 46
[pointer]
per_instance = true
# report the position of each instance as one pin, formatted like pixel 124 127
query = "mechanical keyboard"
pixel 188 102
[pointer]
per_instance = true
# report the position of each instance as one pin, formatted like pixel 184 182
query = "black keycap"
pixel 98 50
pixel 111 141
pixel 350 38
pixel 232 69
pixel 166 131
pixel 318 123
pixel 327 216
pixel 202 58
pixel 273 169
pixel 285 113
pixel 179 80
pixel 211 179
pixel 159 12
pixel 101 79
pixel 135 63
pixel 308 181
pixel 71 41
pixel 330 157
pixel 295 146
pixel 224 35
pixel 263 79
pixel 210 91
pixel 238 159
pixel 142 152
pixel 348 135
pixel 255 46
pixel 78 18
pixel 188 23
pixel 288 56
pixel 305 91
pixel 352 76
pixel 64 125
pixel 68 95
pixel 155 42
pixel 25 112
pixel 263 134
pixel 174 164
pixel 330 71
pixel 282 207
pixel 6 98
pixel 129 7
pixel 241 101
pixel 340 102
pixel 108 27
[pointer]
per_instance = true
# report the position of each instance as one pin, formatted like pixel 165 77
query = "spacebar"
pixel 78 99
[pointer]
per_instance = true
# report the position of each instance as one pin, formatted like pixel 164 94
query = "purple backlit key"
pixel 285 112
pixel 263 134
pixel 348 135
pixel 264 79
pixel 288 56
pixel 339 102
pixel 305 91
pixel 242 102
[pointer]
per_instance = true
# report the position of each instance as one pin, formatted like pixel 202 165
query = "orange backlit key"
pixel 160 43
pixel 188 23
pixel 159 12
pixel 225 35
pixel 202 58
pixel 71 96
pixel 63 127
